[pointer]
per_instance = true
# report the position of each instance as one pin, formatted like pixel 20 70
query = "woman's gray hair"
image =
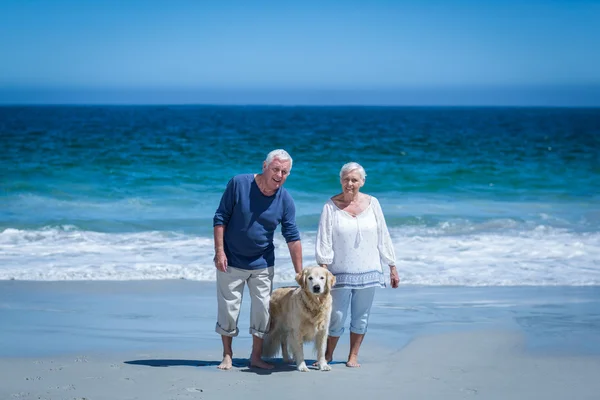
pixel 281 154
pixel 353 166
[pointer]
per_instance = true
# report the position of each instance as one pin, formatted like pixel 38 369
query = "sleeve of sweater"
pixel 289 230
pixel 324 245
pixel 225 209
pixel 384 241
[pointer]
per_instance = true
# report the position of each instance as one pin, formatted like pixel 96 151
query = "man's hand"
pixel 220 261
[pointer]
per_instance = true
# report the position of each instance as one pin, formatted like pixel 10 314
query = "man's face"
pixel 276 173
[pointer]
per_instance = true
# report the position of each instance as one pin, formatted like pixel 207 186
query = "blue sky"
pixel 288 52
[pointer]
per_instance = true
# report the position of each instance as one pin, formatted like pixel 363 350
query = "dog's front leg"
pixel 321 341
pixel 298 351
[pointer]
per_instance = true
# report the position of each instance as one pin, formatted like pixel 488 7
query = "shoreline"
pixel 57 317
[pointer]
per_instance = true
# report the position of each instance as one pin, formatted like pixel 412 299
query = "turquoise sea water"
pixel 472 196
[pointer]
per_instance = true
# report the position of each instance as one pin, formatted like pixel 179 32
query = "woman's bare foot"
pixel 259 363
pixel 352 362
pixel 226 363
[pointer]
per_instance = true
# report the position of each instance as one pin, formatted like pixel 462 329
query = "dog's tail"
pixel 271 344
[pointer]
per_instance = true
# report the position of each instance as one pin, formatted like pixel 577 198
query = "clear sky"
pixel 301 52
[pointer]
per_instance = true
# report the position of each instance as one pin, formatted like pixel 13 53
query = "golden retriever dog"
pixel 299 315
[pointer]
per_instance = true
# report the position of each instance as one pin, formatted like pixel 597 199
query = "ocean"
pixel 471 196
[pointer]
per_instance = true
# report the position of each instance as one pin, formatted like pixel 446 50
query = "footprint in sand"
pixel 20 395
pixel 470 390
pixel 67 387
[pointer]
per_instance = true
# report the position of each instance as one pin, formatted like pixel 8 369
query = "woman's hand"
pixel 394 278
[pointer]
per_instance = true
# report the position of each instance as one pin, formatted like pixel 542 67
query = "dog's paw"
pixel 302 367
pixel 324 367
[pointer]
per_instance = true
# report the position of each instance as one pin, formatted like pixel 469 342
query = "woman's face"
pixel 351 182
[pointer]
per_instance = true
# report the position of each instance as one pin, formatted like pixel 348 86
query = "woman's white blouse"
pixel 354 248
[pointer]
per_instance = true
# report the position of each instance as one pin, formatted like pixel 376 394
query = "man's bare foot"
pixel 226 363
pixel 259 363
pixel 352 362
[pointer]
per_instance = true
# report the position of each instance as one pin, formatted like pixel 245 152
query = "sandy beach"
pixel 155 340
pixel 488 365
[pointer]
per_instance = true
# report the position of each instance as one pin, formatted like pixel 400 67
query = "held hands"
pixel 394 278
pixel 220 261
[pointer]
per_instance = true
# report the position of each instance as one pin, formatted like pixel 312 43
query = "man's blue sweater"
pixel 250 220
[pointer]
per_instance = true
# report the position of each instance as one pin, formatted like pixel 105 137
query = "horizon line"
pixel 501 96
pixel 268 105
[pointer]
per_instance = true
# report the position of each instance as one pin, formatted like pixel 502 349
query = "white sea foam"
pixel 494 253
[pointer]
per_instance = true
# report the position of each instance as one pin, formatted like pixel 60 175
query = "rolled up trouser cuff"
pixel 223 332
pixel 358 331
pixel 257 333
pixel 336 333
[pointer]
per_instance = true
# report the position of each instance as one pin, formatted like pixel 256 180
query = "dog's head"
pixel 316 280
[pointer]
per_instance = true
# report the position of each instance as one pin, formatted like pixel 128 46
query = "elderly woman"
pixel 352 242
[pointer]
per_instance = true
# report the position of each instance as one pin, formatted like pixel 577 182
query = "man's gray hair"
pixel 353 166
pixel 281 154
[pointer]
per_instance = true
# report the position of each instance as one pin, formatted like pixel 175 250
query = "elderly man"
pixel 251 208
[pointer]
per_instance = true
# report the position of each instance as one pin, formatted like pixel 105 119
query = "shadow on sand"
pixel 243 363
pixel 237 362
